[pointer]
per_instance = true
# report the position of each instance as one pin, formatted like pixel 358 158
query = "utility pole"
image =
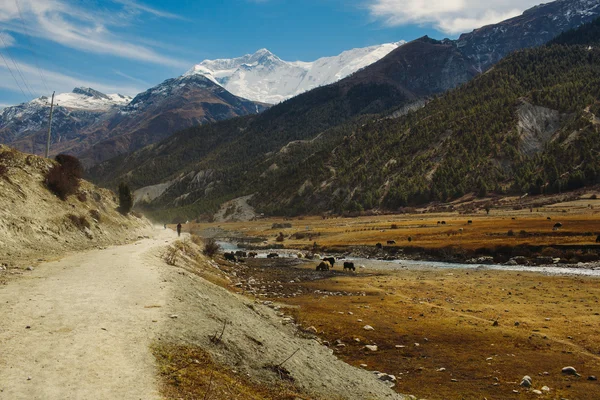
pixel 50 126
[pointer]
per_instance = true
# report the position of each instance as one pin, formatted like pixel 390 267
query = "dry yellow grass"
pixel 450 315
pixel 189 372
pixel 581 225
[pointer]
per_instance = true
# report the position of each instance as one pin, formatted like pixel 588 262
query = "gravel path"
pixel 80 328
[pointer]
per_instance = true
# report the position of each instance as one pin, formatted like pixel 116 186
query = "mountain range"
pixel 382 137
pixel 264 77
pixel 95 126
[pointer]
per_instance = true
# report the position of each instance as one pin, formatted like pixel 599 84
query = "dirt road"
pixel 80 328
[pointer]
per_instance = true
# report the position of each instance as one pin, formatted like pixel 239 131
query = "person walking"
pixel 179 229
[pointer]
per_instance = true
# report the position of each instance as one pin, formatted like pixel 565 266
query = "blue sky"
pixel 127 46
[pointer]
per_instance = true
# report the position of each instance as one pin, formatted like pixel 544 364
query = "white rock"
pixel 371 347
pixel 545 389
pixel 368 328
pixel 570 371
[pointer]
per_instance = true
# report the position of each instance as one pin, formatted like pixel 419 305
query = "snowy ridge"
pixel 86 99
pixel 264 77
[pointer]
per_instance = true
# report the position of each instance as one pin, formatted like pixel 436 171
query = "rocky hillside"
pixel 35 223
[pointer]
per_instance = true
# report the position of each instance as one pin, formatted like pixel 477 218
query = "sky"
pixel 128 46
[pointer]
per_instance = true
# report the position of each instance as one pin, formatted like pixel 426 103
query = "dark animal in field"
pixel 439 222
pixel 469 222
pixel 272 255
pixel 549 219
pixel 379 245
pixel 598 239
pixel 557 226
pixel 252 254
pixel 443 222
pixel 323 266
pixel 330 260
pixel 240 253
pixel 349 266
pixel 391 242
pixel 230 257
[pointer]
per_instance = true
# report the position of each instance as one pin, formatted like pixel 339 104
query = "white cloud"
pixel 61 82
pixel 133 5
pixel 450 16
pixel 6 40
pixel 91 31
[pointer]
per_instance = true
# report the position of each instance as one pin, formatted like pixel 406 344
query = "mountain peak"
pixel 89 92
pixel 263 51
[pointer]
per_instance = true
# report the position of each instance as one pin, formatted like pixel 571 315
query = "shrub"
pixel 71 164
pixel 211 247
pixel 82 197
pixel 79 221
pixel 3 170
pixel 594 197
pixel 280 238
pixel 511 233
pixel 63 179
pixel 394 226
pixel 125 199
pixel 95 214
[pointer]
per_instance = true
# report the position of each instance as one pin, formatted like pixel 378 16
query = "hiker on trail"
pixel 179 229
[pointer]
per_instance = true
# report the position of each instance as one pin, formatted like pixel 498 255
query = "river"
pixel 592 269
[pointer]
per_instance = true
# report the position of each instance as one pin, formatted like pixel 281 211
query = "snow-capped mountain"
pixel 72 112
pixel 264 77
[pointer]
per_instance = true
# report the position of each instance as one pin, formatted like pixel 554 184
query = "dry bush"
pixel 79 221
pixel 211 247
pixel 82 197
pixel 95 214
pixel 3 170
pixel 197 240
pixel 63 179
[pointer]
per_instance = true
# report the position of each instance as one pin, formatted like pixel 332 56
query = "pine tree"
pixel 125 198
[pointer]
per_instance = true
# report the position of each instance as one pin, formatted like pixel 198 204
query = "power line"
pixel 35 57
pixel 16 66
pixel 13 75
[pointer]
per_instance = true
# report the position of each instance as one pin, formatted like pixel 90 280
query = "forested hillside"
pixel 528 125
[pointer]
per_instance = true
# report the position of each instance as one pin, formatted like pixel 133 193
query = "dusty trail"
pixel 80 328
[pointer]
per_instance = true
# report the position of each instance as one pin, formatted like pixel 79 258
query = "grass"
pixel 188 372
pixel 581 225
pixel 450 315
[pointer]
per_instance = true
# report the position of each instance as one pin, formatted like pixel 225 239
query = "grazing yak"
pixel 323 266
pixel 330 260
pixel 469 222
pixel 349 266
pixel 379 245
pixel 240 253
pixel 272 255
pixel 390 242
pixel 230 257
pixel 252 254
pixel 557 226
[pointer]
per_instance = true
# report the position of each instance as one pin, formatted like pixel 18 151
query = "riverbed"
pixel 581 269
